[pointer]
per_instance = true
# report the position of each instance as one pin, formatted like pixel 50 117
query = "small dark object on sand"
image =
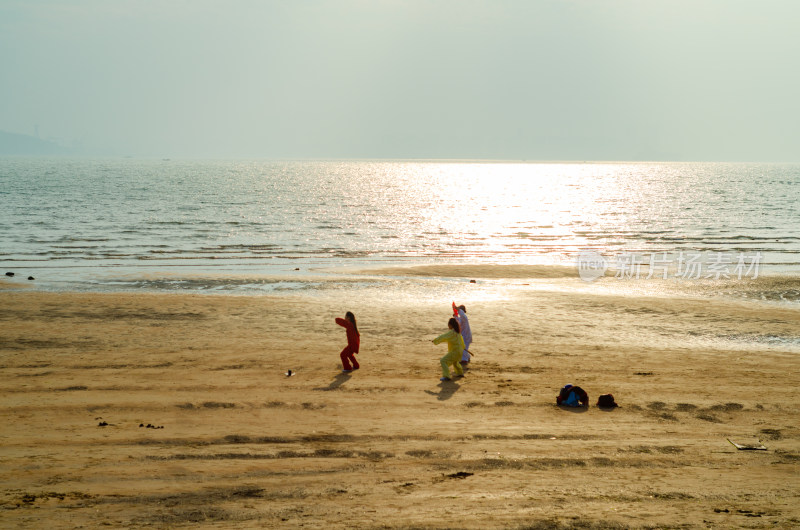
pixel 103 424
pixel 9 274
pixel 606 401
pixel 141 425
pixel 297 269
pixel 460 474
pixel 31 278
pixel 472 281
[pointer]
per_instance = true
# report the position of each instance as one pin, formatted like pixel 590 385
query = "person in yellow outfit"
pixel 455 348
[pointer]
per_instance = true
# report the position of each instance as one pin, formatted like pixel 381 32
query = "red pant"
pixel 348 357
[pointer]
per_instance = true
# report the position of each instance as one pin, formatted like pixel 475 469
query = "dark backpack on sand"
pixel 606 401
pixel 573 396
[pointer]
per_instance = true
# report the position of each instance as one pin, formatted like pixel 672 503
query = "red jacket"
pixel 353 338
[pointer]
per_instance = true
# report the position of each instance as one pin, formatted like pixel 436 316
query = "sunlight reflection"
pixel 508 208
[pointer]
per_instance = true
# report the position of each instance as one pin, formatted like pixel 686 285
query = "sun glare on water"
pixel 514 212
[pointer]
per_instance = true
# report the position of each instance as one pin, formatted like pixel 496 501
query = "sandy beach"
pixel 165 410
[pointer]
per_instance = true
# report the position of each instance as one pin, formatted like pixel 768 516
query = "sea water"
pixel 107 224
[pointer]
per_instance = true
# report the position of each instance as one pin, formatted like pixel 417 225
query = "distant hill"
pixel 22 144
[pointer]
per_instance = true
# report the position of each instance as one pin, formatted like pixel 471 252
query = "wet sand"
pixel 242 445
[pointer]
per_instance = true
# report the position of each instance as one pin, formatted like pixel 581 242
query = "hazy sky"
pixel 527 79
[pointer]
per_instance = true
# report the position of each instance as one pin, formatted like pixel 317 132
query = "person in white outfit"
pixel 460 313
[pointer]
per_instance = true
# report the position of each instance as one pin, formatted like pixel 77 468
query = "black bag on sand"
pixel 606 401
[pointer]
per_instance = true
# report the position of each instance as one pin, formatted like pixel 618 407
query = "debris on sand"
pixel 750 446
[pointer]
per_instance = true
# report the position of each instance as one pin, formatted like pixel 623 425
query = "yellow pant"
pixel 452 358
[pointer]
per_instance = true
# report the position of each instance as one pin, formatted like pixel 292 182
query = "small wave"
pixel 481 271
pixel 243 246
pixel 768 288
pixel 77 247
pixel 232 285
pixel 538 237
pixel 770 340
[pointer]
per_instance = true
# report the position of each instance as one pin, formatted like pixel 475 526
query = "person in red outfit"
pixel 353 342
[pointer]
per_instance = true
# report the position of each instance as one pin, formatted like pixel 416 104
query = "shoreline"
pixel 429 281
